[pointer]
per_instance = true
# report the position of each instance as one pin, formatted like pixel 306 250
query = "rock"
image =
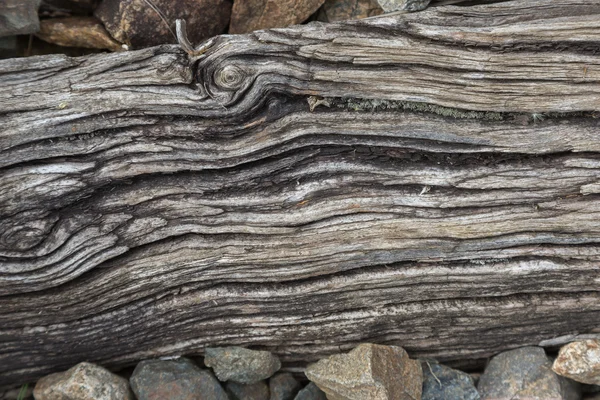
pixel 144 23
pixel 524 373
pixel 179 379
pixel 19 17
pixel 580 361
pixel 403 5
pixel 85 32
pixel 369 372
pixel 85 381
pixel 284 387
pixel 342 10
pixel 444 383
pixel 252 15
pixel 311 392
pixel 241 365
pixel 255 391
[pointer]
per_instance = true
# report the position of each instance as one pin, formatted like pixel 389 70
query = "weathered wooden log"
pixel 442 195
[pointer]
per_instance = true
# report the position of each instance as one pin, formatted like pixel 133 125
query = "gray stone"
pixel 403 5
pixel 179 379
pixel 284 387
pixel 85 381
pixel 579 361
pixel 311 392
pixel 444 383
pixel 524 373
pixel 241 365
pixel 254 391
pixel 19 17
pixel 369 372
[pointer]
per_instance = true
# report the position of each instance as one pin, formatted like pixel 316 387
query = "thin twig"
pixel 29 46
pixel 434 377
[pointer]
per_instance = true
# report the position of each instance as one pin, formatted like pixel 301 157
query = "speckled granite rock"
pixel 311 392
pixel 580 361
pixel 283 387
pixel 369 372
pixel 444 383
pixel 254 391
pixel 524 373
pixel 85 381
pixel 139 23
pixel 403 5
pixel 241 365
pixel 179 379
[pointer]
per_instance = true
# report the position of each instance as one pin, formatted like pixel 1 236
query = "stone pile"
pixel 120 25
pixel 368 372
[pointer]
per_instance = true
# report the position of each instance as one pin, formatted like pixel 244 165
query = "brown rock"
pixel 145 23
pixel 252 15
pixel 580 361
pixel 19 17
pixel 341 10
pixel 369 372
pixel 85 381
pixel 85 32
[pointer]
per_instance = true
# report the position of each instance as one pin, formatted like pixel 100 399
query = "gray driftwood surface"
pixel 150 206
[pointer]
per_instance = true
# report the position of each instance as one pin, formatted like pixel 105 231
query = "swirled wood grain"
pixel 443 196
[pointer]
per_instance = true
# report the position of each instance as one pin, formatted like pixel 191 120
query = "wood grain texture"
pixel 445 199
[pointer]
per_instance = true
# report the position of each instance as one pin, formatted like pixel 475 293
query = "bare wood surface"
pixel 151 206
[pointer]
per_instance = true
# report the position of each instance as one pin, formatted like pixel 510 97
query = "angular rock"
pixel 255 391
pixel 85 32
pixel 342 10
pixel 19 17
pixel 403 5
pixel 145 23
pixel 369 372
pixel 284 387
pixel 241 365
pixel 252 15
pixel 444 383
pixel 311 392
pixel 85 381
pixel 179 379
pixel 579 361
pixel 524 373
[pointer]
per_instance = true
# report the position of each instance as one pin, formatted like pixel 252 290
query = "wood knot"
pixel 230 77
